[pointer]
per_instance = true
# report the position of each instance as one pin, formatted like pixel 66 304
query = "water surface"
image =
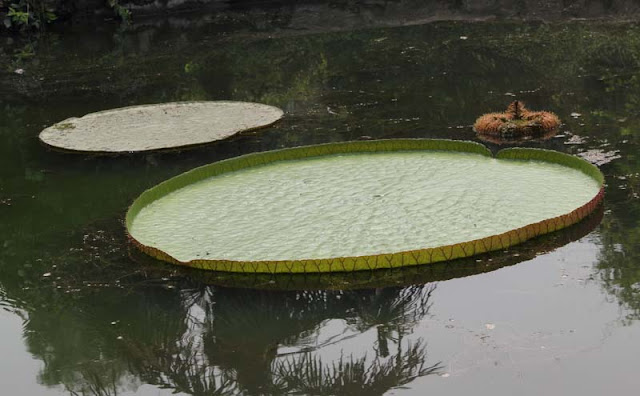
pixel 84 315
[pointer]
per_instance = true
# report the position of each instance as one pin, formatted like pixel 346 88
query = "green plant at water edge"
pixel 28 15
pixel 123 13
pixel 25 52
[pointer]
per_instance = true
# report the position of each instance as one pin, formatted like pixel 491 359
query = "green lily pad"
pixel 361 205
pixel 159 126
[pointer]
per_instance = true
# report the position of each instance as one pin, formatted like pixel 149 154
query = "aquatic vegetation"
pixel 516 121
pixel 360 205
pixel 24 15
pixel 413 275
pixel 160 126
pixel 120 11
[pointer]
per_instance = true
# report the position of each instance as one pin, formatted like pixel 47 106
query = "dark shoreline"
pixel 333 14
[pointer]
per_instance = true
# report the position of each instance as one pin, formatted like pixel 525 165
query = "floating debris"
pixel 19 71
pixel 576 115
pixel 490 326
pixel 517 121
pixel 575 139
pixel 600 157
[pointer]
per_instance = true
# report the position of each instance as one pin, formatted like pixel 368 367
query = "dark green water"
pixel 84 315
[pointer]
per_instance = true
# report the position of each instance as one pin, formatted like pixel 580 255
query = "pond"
pixel 82 313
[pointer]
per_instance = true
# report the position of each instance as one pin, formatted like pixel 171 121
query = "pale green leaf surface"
pixel 161 126
pixel 357 204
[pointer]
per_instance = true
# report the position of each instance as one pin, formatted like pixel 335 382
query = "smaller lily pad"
pixel 159 126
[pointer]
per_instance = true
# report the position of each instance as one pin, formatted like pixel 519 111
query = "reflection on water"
pixel 204 340
pixel 104 323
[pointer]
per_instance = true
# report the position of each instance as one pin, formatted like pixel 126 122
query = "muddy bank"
pixel 338 14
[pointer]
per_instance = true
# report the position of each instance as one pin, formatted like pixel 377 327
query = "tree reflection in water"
pixel 310 375
pixel 235 341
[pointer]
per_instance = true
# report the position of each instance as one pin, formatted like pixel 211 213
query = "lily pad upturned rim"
pixel 377 261
pixel 159 149
pixel 389 277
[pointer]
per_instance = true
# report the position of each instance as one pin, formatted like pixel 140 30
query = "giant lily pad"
pixel 361 205
pixel 159 126
pixel 398 277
